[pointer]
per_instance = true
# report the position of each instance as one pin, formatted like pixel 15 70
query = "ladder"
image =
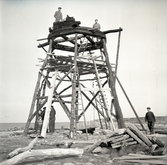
pixel 80 107
pixel 102 97
pixel 100 107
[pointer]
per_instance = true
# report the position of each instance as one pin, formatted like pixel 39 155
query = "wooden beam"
pixel 32 104
pixel 143 137
pixel 48 107
pixel 68 39
pixel 130 103
pixel 119 115
pixel 91 102
pixel 62 103
pixel 112 31
pixel 135 137
pixel 90 39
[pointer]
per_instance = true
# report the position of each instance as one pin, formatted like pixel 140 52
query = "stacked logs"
pixel 130 135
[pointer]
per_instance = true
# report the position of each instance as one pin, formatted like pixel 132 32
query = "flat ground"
pixel 9 141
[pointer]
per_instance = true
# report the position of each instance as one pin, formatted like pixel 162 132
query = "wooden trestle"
pixel 76 57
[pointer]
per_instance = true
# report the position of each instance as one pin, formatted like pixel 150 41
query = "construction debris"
pixel 118 143
pixel 122 138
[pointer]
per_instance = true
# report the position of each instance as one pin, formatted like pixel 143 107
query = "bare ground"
pixel 9 141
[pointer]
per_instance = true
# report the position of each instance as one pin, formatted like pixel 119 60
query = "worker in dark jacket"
pixel 150 119
pixel 52 120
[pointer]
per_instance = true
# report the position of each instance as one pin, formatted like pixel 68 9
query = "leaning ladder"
pixel 80 106
pixel 111 123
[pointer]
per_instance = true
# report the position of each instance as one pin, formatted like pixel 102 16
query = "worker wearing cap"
pixel 96 25
pixel 58 15
pixel 150 119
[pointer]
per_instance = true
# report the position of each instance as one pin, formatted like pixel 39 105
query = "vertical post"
pixel 117 56
pixel 73 101
pixel 119 115
pixel 48 107
pixel 37 114
pixel 116 67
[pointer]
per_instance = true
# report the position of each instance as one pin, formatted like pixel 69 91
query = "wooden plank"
pixel 32 104
pixel 135 137
pixel 116 132
pixel 123 144
pixel 148 156
pixel 117 107
pixel 94 89
pixel 139 156
pixel 67 39
pixel 126 140
pixel 143 137
pixel 120 139
pixel 155 140
pixel 48 107
pixel 147 161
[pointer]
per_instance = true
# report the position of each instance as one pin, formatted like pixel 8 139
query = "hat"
pixel 148 108
pixel 59 7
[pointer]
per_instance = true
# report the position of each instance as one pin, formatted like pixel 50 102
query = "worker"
pixel 58 15
pixel 52 120
pixel 96 25
pixel 43 113
pixel 150 119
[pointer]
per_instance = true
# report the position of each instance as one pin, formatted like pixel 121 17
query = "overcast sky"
pixel 142 67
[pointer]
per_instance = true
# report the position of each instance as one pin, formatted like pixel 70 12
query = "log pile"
pixel 128 136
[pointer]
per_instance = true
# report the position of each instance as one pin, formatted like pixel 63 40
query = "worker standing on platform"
pixel 96 25
pixel 150 119
pixel 58 15
pixel 52 119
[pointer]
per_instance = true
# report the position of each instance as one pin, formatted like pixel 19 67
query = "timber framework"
pixel 77 57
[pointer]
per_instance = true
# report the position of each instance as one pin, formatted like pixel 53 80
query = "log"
pixel 20 150
pixel 96 144
pixel 47 153
pixel 143 137
pixel 135 137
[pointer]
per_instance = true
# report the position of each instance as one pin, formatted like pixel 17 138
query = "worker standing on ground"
pixel 52 120
pixel 58 15
pixel 96 25
pixel 150 119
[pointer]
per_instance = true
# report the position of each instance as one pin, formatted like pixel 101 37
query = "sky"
pixel 142 67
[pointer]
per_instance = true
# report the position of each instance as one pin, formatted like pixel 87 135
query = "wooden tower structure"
pixel 76 57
